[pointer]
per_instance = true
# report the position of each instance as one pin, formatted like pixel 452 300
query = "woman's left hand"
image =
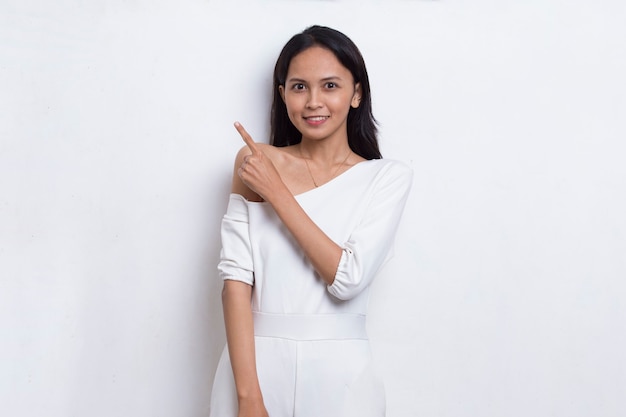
pixel 257 171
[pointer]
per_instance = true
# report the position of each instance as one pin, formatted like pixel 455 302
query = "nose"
pixel 314 99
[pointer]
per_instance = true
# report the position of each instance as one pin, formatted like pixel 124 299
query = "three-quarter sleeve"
pixel 236 254
pixel 370 244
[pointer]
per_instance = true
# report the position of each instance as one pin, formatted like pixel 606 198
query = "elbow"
pixel 349 278
pixel 346 287
pixel 342 296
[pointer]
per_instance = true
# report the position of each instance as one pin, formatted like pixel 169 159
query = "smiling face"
pixel 318 94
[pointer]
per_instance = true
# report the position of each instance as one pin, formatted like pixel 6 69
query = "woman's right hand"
pixel 252 408
pixel 257 170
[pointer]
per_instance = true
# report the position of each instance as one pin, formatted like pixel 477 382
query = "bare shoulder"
pixel 268 150
pixel 274 154
pixel 238 186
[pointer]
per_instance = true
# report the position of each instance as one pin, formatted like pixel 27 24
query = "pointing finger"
pixel 246 138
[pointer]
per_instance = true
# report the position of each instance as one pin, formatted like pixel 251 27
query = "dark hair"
pixel 362 131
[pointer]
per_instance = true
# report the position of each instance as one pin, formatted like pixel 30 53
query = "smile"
pixel 316 120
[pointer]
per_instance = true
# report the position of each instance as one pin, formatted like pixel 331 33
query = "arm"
pixel 323 253
pixel 240 336
pixel 349 268
pixel 236 269
pixel 370 244
pixel 257 179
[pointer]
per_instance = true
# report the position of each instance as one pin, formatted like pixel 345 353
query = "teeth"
pixel 317 118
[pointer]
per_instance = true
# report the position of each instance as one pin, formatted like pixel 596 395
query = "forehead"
pixel 317 63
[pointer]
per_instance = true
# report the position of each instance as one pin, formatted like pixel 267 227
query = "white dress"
pixel 312 353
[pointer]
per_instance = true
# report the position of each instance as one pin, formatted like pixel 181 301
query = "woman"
pixel 310 220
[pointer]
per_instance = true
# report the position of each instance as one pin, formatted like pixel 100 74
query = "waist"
pixel 310 326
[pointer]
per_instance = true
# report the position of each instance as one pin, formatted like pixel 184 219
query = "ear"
pixel 281 90
pixel 356 97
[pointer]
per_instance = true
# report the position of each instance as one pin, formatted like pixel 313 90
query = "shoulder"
pixel 391 170
pixel 245 150
pixel 397 166
pixel 392 180
pixel 238 186
pixel 275 154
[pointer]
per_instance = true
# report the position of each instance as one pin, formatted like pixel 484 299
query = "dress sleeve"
pixel 370 244
pixel 236 254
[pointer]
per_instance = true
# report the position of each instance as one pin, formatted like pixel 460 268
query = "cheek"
pixel 342 103
pixel 292 111
pixel 293 104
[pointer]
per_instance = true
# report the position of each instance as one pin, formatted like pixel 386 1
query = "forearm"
pixel 240 336
pixel 257 179
pixel 322 252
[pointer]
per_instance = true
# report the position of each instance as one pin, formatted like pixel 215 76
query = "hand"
pixel 257 171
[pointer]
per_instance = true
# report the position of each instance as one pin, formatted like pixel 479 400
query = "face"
pixel 318 94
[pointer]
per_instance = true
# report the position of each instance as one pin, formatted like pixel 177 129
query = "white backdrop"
pixel 506 294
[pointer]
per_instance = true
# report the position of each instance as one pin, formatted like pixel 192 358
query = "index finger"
pixel 247 138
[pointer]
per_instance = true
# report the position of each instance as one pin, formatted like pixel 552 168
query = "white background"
pixel 507 293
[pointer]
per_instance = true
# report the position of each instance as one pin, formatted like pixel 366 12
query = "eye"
pixel 331 85
pixel 298 86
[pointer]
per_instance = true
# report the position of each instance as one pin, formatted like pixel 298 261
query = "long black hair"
pixel 362 131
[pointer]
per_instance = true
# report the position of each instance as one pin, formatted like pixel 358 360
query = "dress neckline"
pixel 333 180
pixel 321 187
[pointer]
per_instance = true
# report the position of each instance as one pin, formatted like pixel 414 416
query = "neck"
pixel 324 153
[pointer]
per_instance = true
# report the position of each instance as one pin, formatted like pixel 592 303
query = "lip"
pixel 315 120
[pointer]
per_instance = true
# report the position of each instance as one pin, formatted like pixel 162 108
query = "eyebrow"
pixel 300 80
